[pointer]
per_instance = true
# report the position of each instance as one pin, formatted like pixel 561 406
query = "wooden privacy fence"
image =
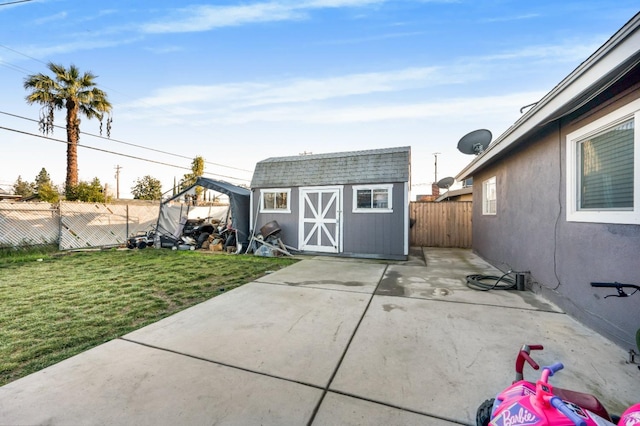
pixel 446 224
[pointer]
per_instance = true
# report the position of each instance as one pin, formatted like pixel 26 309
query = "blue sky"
pixel 237 82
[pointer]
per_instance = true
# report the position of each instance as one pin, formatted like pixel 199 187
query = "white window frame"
pixel 388 187
pixel 275 191
pixel 622 216
pixel 486 190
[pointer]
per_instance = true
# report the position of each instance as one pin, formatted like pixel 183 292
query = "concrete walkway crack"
pixel 346 349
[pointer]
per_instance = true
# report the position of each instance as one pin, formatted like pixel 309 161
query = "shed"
pixel 348 203
pixel 558 193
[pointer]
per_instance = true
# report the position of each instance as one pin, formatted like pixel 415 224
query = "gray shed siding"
pixel 288 222
pixel 375 233
pixel 530 231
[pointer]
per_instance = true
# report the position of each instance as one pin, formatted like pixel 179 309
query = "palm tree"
pixel 78 94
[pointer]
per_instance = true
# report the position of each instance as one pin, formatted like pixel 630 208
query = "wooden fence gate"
pixel 446 224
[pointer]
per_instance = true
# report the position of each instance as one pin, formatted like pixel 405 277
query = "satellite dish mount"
pixel 474 143
pixel 445 183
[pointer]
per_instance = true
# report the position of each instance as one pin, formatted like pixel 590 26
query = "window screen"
pixel 605 176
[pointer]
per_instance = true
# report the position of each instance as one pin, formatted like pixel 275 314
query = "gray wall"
pixel 530 233
pixel 288 222
pixel 377 235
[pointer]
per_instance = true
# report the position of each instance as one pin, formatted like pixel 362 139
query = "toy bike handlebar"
pixel 559 405
pixel 550 370
pixel 523 356
pixel 554 368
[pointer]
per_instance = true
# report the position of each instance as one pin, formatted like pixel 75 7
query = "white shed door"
pixel 320 214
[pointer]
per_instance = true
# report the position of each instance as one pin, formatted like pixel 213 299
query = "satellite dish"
pixel 445 183
pixel 475 142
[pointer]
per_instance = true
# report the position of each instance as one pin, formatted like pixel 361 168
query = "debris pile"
pixel 268 243
pixel 207 234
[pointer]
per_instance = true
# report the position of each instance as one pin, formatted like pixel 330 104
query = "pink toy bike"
pixel 540 404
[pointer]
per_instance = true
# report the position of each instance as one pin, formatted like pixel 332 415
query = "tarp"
pixel 173 216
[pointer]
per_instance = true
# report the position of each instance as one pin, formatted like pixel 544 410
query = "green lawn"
pixel 56 305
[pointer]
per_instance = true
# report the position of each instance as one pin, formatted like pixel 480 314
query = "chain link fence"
pixel 73 225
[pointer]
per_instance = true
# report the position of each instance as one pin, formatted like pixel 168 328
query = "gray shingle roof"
pixel 340 168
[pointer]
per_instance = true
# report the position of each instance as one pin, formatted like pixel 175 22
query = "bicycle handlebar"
pixel 619 288
pixel 615 285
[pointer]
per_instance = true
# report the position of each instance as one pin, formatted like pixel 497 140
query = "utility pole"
pixel 118 181
pixel 435 154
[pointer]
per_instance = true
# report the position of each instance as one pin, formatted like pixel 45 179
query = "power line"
pixel 22 54
pixel 128 143
pixel 15 2
pixel 117 153
pixel 25 71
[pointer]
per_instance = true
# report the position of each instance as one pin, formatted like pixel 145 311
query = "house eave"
pixel 608 64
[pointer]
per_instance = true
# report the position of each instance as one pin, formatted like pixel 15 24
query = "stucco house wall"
pixel 531 230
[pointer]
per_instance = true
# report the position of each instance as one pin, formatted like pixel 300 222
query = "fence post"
pixel 59 225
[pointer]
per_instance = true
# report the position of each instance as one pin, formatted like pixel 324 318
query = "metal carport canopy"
pixel 239 202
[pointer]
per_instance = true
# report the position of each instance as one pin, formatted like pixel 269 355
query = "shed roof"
pixel 355 167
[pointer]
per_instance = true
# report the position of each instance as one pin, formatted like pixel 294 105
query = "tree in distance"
pixel 23 188
pixel 91 192
pixel 44 188
pixel 147 188
pixel 197 170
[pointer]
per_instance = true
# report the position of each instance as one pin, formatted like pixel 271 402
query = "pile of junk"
pixel 183 225
pixel 214 234
pixel 192 231
pixel 268 243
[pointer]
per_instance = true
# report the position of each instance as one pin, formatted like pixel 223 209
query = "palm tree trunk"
pixel 73 133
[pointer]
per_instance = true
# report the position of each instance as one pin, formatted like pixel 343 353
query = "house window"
pixel 489 196
pixel 602 176
pixel 373 198
pixel 275 200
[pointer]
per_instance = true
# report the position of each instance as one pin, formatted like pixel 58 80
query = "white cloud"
pixel 331 113
pixel 204 18
pixel 444 109
pixel 57 17
pixel 512 18
pixel 316 4
pixel 75 46
pixel 568 51
pixel 246 95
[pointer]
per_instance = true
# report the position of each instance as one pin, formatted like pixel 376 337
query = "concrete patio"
pixel 327 341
